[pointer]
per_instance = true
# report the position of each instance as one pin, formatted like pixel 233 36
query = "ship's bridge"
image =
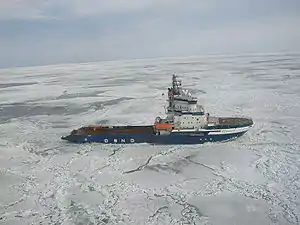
pixel 185 95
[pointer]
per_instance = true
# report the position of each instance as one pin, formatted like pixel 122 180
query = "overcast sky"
pixel 37 32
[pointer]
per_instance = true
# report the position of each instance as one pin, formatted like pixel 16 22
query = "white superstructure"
pixel 183 109
pixel 185 115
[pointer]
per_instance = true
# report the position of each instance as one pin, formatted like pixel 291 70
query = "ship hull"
pixel 174 138
pixel 109 138
pixel 193 139
pixel 186 123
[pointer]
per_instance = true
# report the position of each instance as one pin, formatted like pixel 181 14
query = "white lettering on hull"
pixel 205 139
pixel 122 140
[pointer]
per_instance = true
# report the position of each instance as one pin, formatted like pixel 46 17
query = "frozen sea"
pixel 252 180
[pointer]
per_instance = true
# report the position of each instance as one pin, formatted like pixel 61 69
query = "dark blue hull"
pixel 153 139
pixel 110 138
pixel 187 139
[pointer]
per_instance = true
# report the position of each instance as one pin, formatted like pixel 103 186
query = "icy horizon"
pixel 151 59
pixel 55 32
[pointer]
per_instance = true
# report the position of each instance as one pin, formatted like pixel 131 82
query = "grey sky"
pixel 36 32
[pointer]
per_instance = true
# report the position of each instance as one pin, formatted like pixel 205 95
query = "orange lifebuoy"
pixel 157 119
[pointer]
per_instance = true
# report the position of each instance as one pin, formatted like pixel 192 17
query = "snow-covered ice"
pixel 252 180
